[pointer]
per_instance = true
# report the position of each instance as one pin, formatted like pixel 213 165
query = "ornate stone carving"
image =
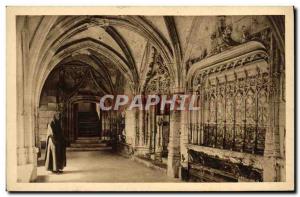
pixel 204 167
pixel 158 78
pixel 243 60
pixel 75 79
pixel 221 40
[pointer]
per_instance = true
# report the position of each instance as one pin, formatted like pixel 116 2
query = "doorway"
pixel 88 120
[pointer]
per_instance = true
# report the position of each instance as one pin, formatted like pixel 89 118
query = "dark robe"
pixel 55 156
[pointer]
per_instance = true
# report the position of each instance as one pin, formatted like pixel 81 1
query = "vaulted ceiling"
pixel 118 47
pixel 114 46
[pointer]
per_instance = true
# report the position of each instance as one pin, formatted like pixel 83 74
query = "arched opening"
pixel 74 88
pixel 88 120
pixel 82 58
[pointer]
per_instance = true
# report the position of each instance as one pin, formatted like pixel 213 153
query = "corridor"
pixel 102 166
pixel 206 106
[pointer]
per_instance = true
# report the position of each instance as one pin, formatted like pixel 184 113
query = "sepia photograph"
pixel 150 99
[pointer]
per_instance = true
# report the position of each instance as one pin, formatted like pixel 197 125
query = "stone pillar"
pixel 272 144
pixel 141 127
pixel 174 145
pixel 21 151
pixel 183 143
pixel 130 127
pixel 26 150
pixel 158 141
pixel 148 125
pixel 148 134
pixel 282 130
pixel 271 170
pixel 141 148
pixel 151 131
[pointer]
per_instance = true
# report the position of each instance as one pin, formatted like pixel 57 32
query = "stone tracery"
pixel 235 77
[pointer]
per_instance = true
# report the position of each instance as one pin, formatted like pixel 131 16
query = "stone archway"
pixel 71 119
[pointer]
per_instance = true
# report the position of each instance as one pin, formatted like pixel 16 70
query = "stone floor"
pixel 102 166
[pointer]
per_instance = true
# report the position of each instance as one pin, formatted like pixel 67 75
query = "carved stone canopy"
pixel 158 78
pixel 231 59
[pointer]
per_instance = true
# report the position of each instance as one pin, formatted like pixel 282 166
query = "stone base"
pixel 173 166
pixel 141 151
pixel 152 156
pixel 270 172
pixel 27 173
pixel 27 164
pixel 124 149
pixel 149 164
pixel 158 156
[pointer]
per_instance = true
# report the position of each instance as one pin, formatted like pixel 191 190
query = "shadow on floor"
pixel 75 171
pixel 45 178
pixel 41 178
pixel 41 162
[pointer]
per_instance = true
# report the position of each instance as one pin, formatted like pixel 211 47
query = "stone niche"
pixel 228 136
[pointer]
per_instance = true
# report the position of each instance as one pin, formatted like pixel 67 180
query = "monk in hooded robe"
pixel 55 156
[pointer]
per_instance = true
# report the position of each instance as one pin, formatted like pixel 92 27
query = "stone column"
pixel 21 151
pixel 26 150
pixel 151 128
pixel 158 141
pixel 272 144
pixel 142 148
pixel 174 144
pixel 148 134
pixel 141 127
pixel 130 127
pixel 183 143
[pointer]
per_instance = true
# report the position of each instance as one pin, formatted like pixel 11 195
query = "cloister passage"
pixel 79 74
pixel 234 64
pixel 103 166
